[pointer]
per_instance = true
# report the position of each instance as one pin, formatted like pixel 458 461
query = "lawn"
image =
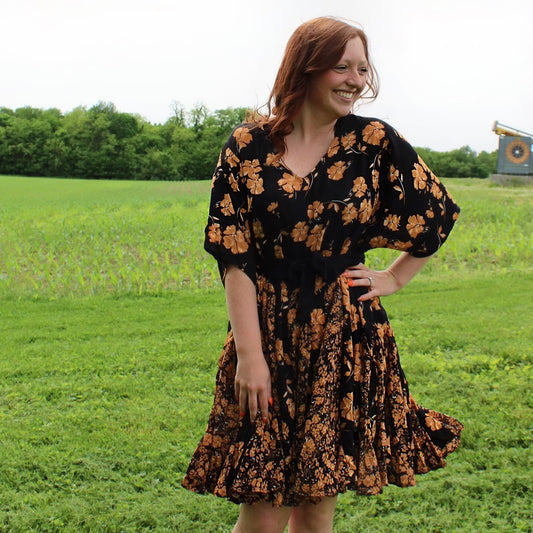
pixel 112 319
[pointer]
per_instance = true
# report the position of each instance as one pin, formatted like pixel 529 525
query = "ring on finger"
pixel 371 281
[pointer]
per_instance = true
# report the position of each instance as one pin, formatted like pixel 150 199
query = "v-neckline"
pixel 321 160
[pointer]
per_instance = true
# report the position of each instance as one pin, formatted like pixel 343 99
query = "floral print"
pixel 342 417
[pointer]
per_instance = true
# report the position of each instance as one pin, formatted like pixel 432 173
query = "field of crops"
pixel 77 238
pixel 111 323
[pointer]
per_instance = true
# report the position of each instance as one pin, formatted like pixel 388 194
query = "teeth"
pixel 344 94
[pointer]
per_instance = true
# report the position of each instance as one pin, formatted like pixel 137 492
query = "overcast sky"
pixel 448 68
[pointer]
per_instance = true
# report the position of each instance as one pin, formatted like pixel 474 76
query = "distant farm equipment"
pixel 515 157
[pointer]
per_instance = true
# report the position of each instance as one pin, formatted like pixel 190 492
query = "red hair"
pixel 315 47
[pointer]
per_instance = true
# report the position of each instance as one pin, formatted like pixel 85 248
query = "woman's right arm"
pixel 252 377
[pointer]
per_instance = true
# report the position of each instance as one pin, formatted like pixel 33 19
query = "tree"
pixel 102 142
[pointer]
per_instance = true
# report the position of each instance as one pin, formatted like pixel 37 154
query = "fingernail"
pixel 350 283
pixel 241 414
pixel 265 419
pixel 271 401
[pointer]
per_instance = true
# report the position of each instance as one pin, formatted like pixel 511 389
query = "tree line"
pixel 103 143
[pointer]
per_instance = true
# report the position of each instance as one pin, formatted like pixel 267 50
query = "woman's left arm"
pixel 385 282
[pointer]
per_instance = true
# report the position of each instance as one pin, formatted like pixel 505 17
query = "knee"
pixel 313 518
pixel 261 519
pixel 302 523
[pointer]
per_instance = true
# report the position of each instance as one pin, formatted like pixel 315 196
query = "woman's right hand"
pixel 252 376
pixel 253 385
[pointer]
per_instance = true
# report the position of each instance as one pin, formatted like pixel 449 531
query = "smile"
pixel 345 94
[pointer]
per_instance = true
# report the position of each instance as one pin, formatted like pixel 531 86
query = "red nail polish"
pixel 271 401
pixel 265 419
pixel 241 414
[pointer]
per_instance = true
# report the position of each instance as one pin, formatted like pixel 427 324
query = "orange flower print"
pixel 365 211
pixel 231 159
pixel 347 407
pixel 430 214
pixel 436 191
pixel 415 225
pixel 272 159
pixel 233 182
pixel 290 183
pixel 433 423
pixel 346 246
pixel 272 207
pixel 336 171
pixel 278 347
pixel 420 177
pixel 373 133
pixel 214 234
pixel 391 222
pixel 258 230
pixel 359 187
pixel 255 185
pixel 334 148
pixel 349 214
pixel 424 166
pixel 318 319
pixel 400 191
pixel 299 233
pixel 378 242
pixel 375 179
pixel 314 239
pixel 226 207
pixel 251 169
pixel 348 140
pixel 235 240
pixel 403 246
pixel 242 136
pixel 278 252
pixel 315 209
pixel 394 173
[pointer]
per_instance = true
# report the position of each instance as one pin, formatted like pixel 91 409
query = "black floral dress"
pixel 342 417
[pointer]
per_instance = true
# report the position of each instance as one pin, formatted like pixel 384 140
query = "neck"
pixel 309 125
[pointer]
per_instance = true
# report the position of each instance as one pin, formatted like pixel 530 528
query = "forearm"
pixel 406 267
pixel 241 301
pixel 252 375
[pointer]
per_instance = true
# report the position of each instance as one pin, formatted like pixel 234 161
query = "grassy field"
pixel 107 361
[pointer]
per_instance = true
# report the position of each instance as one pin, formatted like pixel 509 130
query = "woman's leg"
pixel 262 518
pixel 313 517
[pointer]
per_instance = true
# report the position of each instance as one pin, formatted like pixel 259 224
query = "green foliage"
pixel 103 143
pixel 107 361
pixel 461 163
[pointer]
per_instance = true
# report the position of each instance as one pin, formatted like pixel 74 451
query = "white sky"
pixel 448 68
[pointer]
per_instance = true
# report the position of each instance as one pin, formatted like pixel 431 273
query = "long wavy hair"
pixel 315 46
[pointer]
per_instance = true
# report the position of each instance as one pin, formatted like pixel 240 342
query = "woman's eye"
pixel 340 68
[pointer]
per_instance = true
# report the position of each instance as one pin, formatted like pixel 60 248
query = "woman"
pixel 310 397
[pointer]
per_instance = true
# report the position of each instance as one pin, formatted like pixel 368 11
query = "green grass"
pixel 64 237
pixel 73 237
pixel 105 385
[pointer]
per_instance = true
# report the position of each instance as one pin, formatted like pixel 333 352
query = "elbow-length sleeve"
pixel 228 234
pixel 416 212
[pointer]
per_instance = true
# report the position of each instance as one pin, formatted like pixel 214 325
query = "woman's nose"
pixel 356 79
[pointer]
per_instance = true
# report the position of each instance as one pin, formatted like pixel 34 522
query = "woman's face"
pixel 334 92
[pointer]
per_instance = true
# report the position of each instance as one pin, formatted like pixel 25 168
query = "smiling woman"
pixel 314 48
pixel 311 400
